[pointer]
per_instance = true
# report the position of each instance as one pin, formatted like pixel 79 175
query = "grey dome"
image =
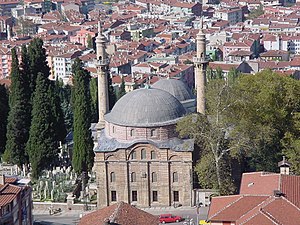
pixel 146 108
pixel 177 88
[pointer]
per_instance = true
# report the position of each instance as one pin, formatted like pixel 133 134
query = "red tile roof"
pixel 8 193
pixel 234 210
pixel 265 183
pixel 120 213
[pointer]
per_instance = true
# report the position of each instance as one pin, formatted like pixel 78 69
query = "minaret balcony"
pixel 103 62
pixel 199 60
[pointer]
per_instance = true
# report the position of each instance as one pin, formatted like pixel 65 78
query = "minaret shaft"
pixel 102 69
pixel 200 64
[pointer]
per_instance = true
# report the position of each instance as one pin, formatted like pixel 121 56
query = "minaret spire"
pixel 200 64
pixel 102 69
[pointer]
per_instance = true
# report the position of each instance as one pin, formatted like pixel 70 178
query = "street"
pixel 67 218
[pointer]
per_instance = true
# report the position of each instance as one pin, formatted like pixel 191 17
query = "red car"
pixel 169 218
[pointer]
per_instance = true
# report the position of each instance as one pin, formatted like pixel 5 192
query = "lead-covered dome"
pixel 146 107
pixel 177 88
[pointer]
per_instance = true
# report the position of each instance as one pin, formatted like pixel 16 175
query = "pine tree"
pixel 4 108
pixel 83 155
pixel 42 144
pixel 121 91
pixel 38 61
pixel 19 117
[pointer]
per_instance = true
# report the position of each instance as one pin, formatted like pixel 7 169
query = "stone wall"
pixel 133 133
pixel 164 165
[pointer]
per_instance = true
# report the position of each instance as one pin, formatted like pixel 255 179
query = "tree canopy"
pixel 251 121
pixel 83 154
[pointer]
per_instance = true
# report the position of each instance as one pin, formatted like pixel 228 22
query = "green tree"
pixel 232 75
pixel 19 117
pixel 58 116
pixel 266 110
pixel 94 99
pixel 209 133
pixel 89 41
pixel 209 73
pixel 83 154
pixel 38 61
pixel 219 73
pixel 122 91
pixel 112 97
pixel 42 145
pixel 4 108
pixel 256 12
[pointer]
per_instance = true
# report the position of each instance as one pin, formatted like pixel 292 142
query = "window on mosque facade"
pixel 134 196
pixel 133 155
pixel 154 196
pixel 153 155
pixel 153 132
pixel 133 177
pixel 112 177
pixel 132 132
pixel 175 177
pixel 113 196
pixel 176 196
pixel 143 153
pixel 154 177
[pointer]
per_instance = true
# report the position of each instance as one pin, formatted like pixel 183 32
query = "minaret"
pixel 102 68
pixel 200 64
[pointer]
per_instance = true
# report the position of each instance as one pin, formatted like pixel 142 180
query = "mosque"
pixel 139 158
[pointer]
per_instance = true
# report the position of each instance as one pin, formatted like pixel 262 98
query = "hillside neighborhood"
pixel 145 112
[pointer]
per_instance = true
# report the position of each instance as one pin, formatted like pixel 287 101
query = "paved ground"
pixel 73 217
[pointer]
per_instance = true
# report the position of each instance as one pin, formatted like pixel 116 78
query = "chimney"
pixel 284 166
pixel 2 179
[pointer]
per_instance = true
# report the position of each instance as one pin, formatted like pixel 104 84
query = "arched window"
pixel 175 177
pixel 133 155
pixel 143 153
pixel 153 155
pixel 113 129
pixel 112 177
pixel 154 177
pixel 153 132
pixel 132 133
pixel 133 177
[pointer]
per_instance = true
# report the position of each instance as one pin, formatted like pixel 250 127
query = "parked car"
pixel 169 218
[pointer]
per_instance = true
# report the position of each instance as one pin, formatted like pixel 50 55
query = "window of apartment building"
pixel 175 177
pixel 113 196
pixel 133 155
pixel 154 177
pixel 176 196
pixel 153 155
pixel 133 177
pixel 134 196
pixel 112 177
pixel 154 196
pixel 143 153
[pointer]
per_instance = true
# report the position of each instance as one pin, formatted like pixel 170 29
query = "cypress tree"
pixel 111 93
pixel 83 154
pixel 60 128
pixel 42 144
pixel 19 117
pixel 38 61
pixel 4 108
pixel 94 98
